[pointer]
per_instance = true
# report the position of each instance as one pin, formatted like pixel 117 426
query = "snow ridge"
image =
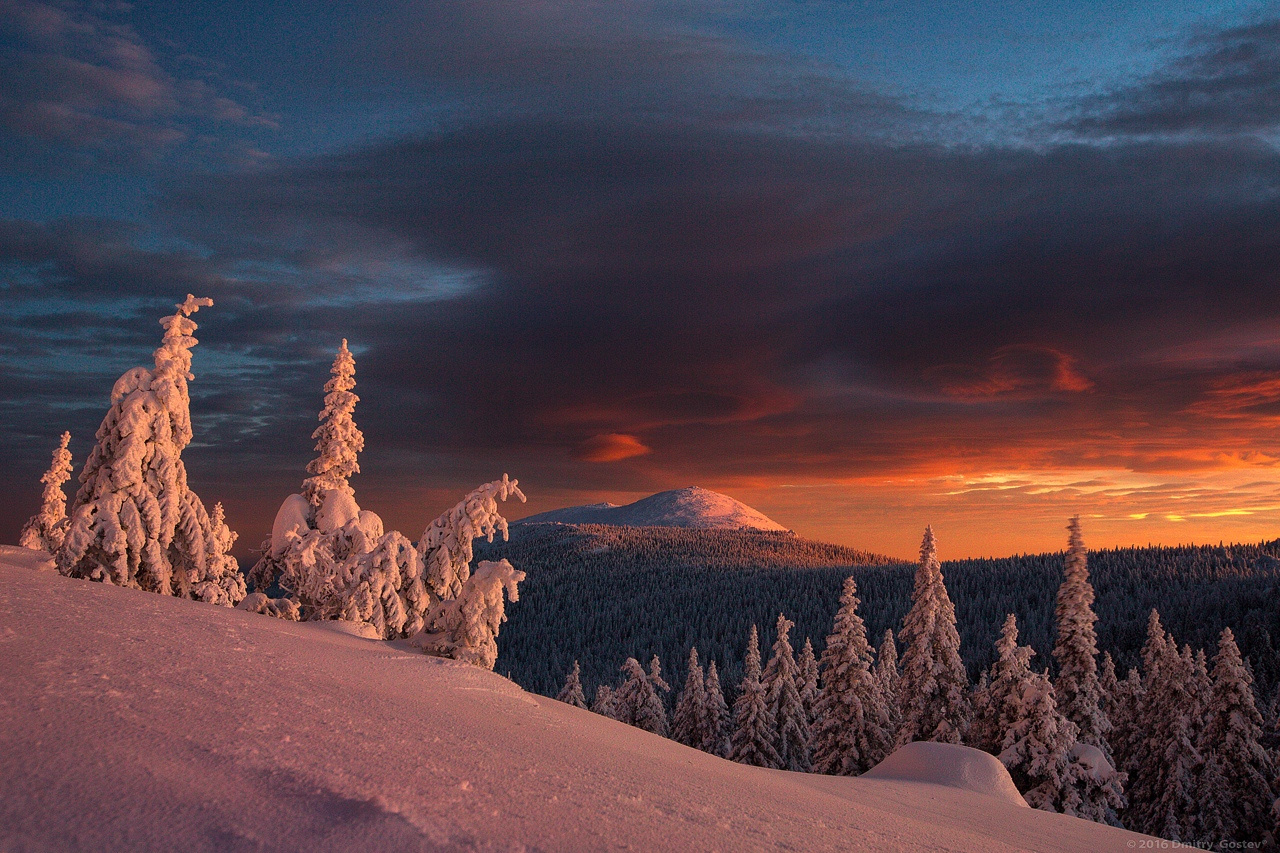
pixel 692 507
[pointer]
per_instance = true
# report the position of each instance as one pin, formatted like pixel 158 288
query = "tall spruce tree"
pixel 715 731
pixel 807 680
pixel 1076 648
pixel 338 439
pixel 1236 792
pixel 754 727
pixel 851 734
pixel 637 702
pixel 933 687
pixel 887 673
pixel 1165 765
pixel 689 721
pixel 135 521
pixel 45 530
pixel 783 695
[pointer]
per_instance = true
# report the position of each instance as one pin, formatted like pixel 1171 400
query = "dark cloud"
pixel 1228 83
pixel 694 260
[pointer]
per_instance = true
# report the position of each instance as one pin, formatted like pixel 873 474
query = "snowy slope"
pixel 688 507
pixel 131 721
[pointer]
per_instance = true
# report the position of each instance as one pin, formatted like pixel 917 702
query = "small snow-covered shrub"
pixel 46 529
pixel 280 608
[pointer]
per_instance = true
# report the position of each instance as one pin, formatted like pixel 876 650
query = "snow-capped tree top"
pixel 338 439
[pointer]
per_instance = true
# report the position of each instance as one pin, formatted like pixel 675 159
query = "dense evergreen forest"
pixel 600 594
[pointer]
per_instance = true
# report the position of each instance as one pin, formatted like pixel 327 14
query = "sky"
pixel 865 266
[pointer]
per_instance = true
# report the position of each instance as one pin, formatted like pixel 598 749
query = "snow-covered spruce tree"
pixel 571 693
pixel 791 723
pixel 754 729
pixel 223 584
pixel 851 733
pixel 1108 685
pixel 338 439
pixel 604 702
pixel 135 522
pixel 807 680
pixel 689 721
pixel 338 562
pixel 715 723
pixel 1236 796
pixel 1037 749
pixel 933 685
pixel 1165 767
pixel 637 702
pixel 45 530
pixel 1076 648
pixel 466 628
pixel 887 673
pixel 1001 697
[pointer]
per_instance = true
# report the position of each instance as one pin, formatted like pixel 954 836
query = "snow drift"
pixel 689 507
pixel 136 721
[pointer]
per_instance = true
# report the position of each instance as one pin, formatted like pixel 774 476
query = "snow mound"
pixel 290 518
pixel 26 558
pixel 951 766
pixel 690 507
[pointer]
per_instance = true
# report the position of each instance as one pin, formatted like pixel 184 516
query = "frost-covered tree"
pixel 1076 648
pixel 571 693
pixel 135 522
pixel 887 674
pixel 715 723
pixel 338 439
pixel 807 680
pixel 466 628
pixel 689 721
pixel 1037 749
pixel 1000 699
pixel 222 584
pixel 1165 765
pixel 754 727
pixel 446 544
pixel 851 733
pixel 933 686
pixel 655 678
pixel 45 530
pixel 637 702
pixel 1236 791
pixel 783 695
pixel 604 702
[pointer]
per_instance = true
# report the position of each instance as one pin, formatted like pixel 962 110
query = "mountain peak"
pixel 692 506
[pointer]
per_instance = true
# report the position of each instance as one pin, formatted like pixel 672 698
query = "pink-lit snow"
pixel 133 721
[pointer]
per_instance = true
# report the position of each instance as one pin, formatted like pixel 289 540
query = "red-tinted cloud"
pixel 611 447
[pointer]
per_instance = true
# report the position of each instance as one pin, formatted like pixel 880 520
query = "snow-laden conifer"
pixel 222 584
pixel 781 692
pixel 933 685
pixel 754 728
pixel 1236 792
pixel 689 721
pixel 45 530
pixel 637 702
pixel 446 544
pixel 135 522
pixel 1037 749
pixel 338 439
pixel 1000 700
pixel 851 733
pixel 887 674
pixel 807 680
pixel 715 731
pixel 1164 767
pixel 466 628
pixel 571 693
pixel 604 704
pixel 655 678
pixel 1076 648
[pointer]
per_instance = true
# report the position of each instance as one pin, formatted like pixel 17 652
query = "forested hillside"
pixel 599 594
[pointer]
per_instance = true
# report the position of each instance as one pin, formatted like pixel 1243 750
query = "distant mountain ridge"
pixel 691 507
